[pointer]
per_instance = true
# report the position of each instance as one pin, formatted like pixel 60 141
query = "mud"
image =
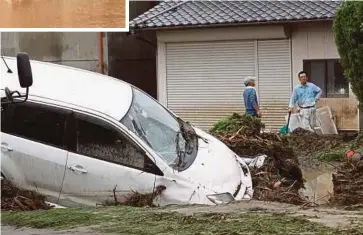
pixel 319 186
pixel 308 146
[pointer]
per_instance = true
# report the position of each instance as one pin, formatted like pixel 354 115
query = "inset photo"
pixel 64 14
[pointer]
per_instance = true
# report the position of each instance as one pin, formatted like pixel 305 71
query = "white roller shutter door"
pixel 204 80
pixel 274 84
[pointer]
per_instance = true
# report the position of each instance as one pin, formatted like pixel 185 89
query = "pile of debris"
pixel 348 183
pixel 308 146
pixel 236 123
pixel 300 138
pixel 14 199
pixel 136 199
pixel 280 179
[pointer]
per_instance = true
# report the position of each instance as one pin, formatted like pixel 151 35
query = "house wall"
pixel 201 72
pixel 316 41
pixel 76 49
pixel 308 41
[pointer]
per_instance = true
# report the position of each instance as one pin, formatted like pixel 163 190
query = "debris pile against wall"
pixel 280 179
pixel 14 199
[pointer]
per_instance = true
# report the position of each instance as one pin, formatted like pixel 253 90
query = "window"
pixel 328 75
pixel 103 142
pixel 35 122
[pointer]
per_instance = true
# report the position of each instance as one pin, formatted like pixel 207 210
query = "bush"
pixel 348 34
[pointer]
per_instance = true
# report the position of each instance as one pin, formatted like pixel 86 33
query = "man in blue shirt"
pixel 305 95
pixel 250 97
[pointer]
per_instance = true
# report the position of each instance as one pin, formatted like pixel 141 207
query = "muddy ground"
pixel 321 151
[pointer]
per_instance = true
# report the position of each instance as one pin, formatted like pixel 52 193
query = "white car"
pixel 81 134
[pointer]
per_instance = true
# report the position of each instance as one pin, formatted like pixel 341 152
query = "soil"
pixel 307 145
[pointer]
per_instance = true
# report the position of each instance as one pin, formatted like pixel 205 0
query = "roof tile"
pixel 196 13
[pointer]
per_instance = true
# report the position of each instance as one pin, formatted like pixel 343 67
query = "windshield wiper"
pixel 191 142
pixel 180 153
pixel 140 131
pixel 188 131
pixel 9 70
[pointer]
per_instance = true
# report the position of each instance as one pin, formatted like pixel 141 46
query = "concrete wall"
pixel 132 58
pixel 74 49
pixel 316 41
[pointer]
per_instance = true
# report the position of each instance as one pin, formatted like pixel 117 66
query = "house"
pixel 206 48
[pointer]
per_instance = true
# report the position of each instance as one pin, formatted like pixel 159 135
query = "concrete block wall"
pixel 76 49
pixel 132 58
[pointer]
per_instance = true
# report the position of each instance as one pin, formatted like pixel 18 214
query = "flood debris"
pixel 238 124
pixel 310 147
pixel 136 199
pixel 348 184
pixel 280 178
pixel 300 138
pixel 15 199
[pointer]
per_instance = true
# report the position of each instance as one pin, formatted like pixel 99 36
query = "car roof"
pixel 68 85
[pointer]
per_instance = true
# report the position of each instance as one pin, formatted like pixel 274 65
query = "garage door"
pixel 274 83
pixel 204 80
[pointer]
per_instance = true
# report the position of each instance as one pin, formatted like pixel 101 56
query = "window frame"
pixel 307 68
pixel 29 103
pixel 71 132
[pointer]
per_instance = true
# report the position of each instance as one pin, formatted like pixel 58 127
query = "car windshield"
pixel 161 130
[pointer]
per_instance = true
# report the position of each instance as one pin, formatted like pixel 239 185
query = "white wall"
pixel 312 41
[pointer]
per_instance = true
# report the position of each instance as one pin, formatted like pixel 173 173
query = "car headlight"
pixel 221 198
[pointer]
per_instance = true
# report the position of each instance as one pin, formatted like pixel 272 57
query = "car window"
pixel 37 123
pixel 95 139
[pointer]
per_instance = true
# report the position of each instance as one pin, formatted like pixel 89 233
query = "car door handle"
pixel 5 146
pixel 78 168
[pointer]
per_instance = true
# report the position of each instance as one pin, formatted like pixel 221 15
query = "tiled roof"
pixel 200 13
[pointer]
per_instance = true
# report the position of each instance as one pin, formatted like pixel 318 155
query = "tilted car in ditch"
pixel 77 137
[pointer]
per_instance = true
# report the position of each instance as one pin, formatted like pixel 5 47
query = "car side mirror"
pixel 24 70
pixel 25 76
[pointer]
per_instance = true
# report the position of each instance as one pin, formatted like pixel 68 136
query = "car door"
pixel 32 145
pixel 104 163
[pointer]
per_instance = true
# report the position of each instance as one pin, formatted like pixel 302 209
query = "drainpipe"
pixel 100 52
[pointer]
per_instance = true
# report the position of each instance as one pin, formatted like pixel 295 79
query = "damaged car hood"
pixel 213 168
